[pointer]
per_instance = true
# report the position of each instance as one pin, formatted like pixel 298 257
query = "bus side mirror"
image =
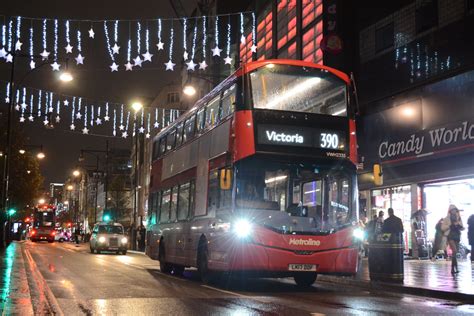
pixel 225 179
pixel 378 174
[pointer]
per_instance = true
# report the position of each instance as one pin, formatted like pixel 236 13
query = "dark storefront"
pixel 424 140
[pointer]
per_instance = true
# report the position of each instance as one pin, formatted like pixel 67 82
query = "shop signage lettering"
pixel 428 141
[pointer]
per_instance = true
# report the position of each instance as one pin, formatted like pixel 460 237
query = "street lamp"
pixel 70 187
pixel 137 106
pixel 40 155
pixel 41 201
pixel 189 90
pixel 76 173
pixel 22 151
pixel 66 76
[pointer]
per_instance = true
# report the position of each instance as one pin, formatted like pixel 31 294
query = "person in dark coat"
pixel 392 224
pixel 470 234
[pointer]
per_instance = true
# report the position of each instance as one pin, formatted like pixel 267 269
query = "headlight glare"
pixel 124 240
pixel 101 239
pixel 358 233
pixel 242 228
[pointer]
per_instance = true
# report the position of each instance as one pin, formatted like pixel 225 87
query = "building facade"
pixel 415 85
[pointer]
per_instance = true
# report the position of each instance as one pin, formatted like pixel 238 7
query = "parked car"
pixel 108 237
pixel 62 236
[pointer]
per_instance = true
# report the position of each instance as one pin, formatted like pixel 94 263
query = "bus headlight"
pixel 101 239
pixel 242 228
pixel 124 240
pixel 358 233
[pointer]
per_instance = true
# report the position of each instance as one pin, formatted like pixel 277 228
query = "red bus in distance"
pixel 44 220
pixel 259 177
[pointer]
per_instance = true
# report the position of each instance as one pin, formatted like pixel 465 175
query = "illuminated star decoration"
pixel 44 54
pixel 113 67
pixel 191 65
pixel 115 49
pixel 22 119
pixel 228 60
pixel 216 51
pixel 68 48
pixel 30 118
pixel 203 65
pixel 55 66
pixel 45 122
pixel 185 55
pixel 58 119
pixel 72 127
pixel 141 130
pixel 138 61
pixel 80 59
pixel 170 65
pixel 160 45
pixel 124 134
pixel 18 45
pixel 253 48
pixel 32 64
pixel 85 130
pixel 147 135
pixel 91 33
pixel 242 39
pixel 78 115
pixel 121 127
pixel 66 102
pixel 106 118
pixel 147 56
pixel 156 125
pixel 128 66
pixel 98 121
pixel 9 58
pixel 17 107
pixel 3 52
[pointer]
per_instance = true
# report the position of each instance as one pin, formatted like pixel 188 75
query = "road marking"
pixel 228 292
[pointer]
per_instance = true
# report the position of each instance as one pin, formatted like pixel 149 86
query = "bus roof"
pixel 244 69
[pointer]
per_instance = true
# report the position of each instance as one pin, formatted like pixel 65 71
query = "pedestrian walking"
pixel 440 239
pixel 379 223
pixel 470 234
pixel 392 224
pixel 452 227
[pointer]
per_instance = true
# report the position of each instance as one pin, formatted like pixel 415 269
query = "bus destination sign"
pixel 300 136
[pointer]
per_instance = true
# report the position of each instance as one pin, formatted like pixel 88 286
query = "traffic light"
pixel 11 212
pixel 106 217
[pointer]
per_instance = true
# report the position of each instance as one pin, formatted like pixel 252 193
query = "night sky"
pixel 92 80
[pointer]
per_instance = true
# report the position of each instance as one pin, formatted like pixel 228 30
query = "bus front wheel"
pixel 305 279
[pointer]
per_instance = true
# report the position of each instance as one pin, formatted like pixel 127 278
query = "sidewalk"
pixel 14 290
pixel 422 277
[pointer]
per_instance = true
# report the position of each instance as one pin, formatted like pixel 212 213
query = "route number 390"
pixel 329 141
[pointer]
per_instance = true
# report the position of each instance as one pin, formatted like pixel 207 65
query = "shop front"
pixel 424 142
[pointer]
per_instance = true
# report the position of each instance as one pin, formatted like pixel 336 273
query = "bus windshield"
pixel 323 198
pixel 298 89
pixel 44 218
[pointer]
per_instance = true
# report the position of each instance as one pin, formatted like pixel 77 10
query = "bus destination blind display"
pixel 300 136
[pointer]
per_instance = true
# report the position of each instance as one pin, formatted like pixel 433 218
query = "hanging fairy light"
pixel 147 56
pixel 170 65
pixel 92 115
pixel 79 104
pixel 185 44
pixel 116 48
pixel 23 105
pixel 106 117
pixel 228 60
pixel 216 51
pixel 138 61
pixel 73 116
pixel 148 128
pixel 79 58
pixel 32 61
pixel 68 47
pixel 46 102
pixel 9 57
pixel 114 66
pixel 114 132
pixel 7 94
pixel 85 130
pixel 18 43
pixel 134 123
pixel 141 130
pixel 156 124
pixel 98 121
pixel 55 65
pixel 203 64
pixel 160 44
pixel 253 48
pixel 242 36
pixel 50 109
pixel 125 133
pixel 128 65
pixel 121 127
pixel 58 109
pixel 91 31
pixel 17 100
pixel 31 118
pixel 3 51
pixel 191 64
pixel 39 102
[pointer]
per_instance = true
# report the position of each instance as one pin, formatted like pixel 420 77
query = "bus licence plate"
pixel 302 267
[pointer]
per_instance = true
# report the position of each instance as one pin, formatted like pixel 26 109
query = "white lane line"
pixel 228 292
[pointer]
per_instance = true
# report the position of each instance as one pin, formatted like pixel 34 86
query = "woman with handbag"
pixel 452 227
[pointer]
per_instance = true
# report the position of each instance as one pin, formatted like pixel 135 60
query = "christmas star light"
pixel 191 65
pixel 170 65
pixel 68 48
pixel 203 65
pixel 128 66
pixel 72 127
pixel 216 51
pixel 115 49
pixel 44 54
pixel 18 45
pixel 91 33
pixel 85 131
pixel 55 66
pixel 79 59
pixel 113 67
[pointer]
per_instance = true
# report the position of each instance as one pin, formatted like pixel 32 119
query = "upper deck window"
pixel 298 89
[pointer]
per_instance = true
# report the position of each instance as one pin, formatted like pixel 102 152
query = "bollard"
pixel 386 258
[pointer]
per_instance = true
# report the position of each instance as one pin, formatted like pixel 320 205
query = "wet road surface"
pixel 107 284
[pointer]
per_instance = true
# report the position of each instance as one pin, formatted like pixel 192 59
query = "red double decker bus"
pixel 44 219
pixel 259 177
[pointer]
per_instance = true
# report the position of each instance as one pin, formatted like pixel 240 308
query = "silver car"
pixel 108 237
